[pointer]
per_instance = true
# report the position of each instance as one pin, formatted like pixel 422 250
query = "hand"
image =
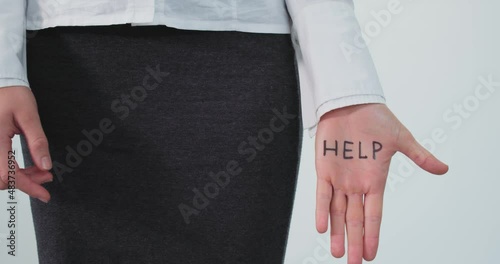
pixel 19 114
pixel 367 136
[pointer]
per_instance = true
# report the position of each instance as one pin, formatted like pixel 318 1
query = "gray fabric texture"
pixel 169 145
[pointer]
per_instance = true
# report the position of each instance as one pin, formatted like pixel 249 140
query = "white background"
pixel 429 57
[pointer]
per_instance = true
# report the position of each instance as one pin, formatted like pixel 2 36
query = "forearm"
pixel 333 76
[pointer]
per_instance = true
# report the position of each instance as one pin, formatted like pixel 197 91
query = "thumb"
pixel 29 123
pixel 418 154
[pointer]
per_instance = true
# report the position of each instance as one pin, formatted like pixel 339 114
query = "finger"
pixel 418 154
pixel 22 182
pixel 323 200
pixel 35 172
pixel 38 177
pixel 3 179
pixel 373 219
pixel 3 185
pixel 29 123
pixel 41 177
pixel 32 188
pixel 337 216
pixel 5 148
pixel 354 222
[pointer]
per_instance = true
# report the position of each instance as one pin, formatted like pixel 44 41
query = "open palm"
pixel 354 147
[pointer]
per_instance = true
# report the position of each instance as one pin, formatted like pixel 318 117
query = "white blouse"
pixel 323 33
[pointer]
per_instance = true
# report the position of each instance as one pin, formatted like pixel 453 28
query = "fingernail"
pixel 46 163
pixel 48 180
pixel 43 200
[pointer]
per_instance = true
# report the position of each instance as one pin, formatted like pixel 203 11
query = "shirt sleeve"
pixel 335 68
pixel 13 43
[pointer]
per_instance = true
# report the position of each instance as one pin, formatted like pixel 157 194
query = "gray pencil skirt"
pixel 168 145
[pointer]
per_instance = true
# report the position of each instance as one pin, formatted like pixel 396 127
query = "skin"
pixel 19 114
pixel 349 193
